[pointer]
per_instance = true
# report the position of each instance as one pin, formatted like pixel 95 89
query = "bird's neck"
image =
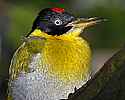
pixel 71 35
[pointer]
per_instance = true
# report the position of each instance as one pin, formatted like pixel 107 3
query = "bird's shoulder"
pixel 24 54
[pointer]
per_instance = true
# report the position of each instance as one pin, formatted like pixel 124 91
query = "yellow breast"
pixel 68 60
pixel 67 57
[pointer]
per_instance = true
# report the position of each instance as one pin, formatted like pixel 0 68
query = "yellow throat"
pixel 67 56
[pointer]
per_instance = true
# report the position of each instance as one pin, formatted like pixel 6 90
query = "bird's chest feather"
pixel 54 72
pixel 67 60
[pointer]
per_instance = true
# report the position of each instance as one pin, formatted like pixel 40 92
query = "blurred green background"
pixel 16 18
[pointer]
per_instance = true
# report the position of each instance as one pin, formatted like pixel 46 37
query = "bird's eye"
pixel 58 22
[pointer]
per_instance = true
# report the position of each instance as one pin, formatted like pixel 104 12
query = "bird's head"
pixel 57 22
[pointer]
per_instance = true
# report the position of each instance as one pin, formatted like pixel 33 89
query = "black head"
pixel 53 21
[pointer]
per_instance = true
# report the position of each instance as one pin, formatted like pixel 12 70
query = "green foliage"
pixel 109 34
pixel 21 22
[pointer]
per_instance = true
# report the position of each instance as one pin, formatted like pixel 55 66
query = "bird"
pixel 53 60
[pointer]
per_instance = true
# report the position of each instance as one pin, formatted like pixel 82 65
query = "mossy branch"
pixel 108 83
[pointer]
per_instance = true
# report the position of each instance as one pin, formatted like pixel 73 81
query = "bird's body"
pixel 49 67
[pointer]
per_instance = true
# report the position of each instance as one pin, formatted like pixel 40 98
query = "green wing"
pixel 23 55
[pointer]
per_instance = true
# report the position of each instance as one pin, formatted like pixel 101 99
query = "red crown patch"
pixel 58 10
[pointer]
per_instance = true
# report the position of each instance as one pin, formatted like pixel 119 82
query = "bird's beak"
pixel 83 23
